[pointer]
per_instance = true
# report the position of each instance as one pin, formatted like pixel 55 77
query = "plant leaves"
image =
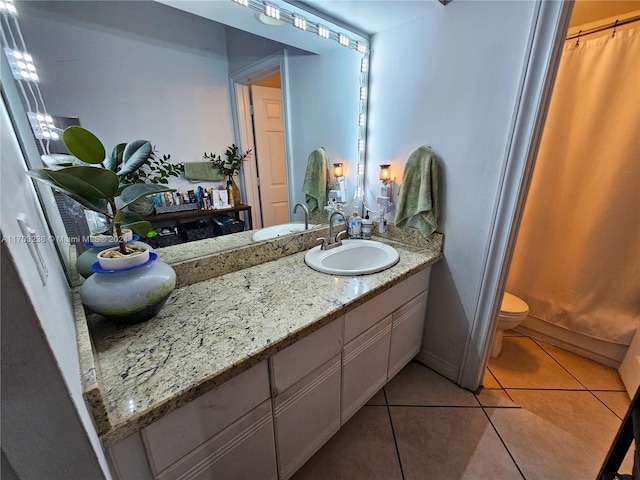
pixel 133 192
pixel 87 181
pixel 119 217
pixel 115 159
pixel 134 155
pixel 141 228
pixel 95 204
pixel 131 217
pixel 84 145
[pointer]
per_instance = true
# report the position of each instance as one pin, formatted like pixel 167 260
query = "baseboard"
pixel 601 351
pixel 438 365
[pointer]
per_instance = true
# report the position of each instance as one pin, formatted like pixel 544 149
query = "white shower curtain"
pixel 577 257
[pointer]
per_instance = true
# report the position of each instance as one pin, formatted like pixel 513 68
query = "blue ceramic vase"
pixel 131 295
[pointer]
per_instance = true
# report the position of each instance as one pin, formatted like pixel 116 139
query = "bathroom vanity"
pixel 248 374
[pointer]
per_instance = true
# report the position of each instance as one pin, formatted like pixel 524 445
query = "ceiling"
pixel 375 16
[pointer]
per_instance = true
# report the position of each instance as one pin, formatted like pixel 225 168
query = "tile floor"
pixel 544 413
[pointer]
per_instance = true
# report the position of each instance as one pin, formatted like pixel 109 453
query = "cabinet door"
pixel 406 334
pixel 306 416
pixel 181 431
pixel 364 368
pixel 303 357
pixel 242 451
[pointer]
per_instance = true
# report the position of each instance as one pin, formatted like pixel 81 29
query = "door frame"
pixel 546 41
pixel 239 85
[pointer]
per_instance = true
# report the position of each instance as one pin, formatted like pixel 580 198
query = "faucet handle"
pixel 322 242
pixel 341 235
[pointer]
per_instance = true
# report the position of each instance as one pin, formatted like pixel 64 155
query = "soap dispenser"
pixel 354 229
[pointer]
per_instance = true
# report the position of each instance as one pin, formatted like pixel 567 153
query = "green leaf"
pixel 95 204
pixel 119 217
pixel 134 155
pixel 84 145
pixel 131 217
pixel 115 159
pixel 141 228
pixel 133 192
pixel 87 181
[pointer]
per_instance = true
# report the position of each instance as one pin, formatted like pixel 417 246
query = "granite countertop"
pixel 214 329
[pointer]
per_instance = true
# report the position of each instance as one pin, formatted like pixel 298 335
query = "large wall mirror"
pixel 174 72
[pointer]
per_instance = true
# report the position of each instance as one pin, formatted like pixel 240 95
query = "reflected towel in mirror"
pixel 316 179
pixel 202 171
pixel 419 191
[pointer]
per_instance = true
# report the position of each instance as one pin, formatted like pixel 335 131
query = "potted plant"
pixel 230 166
pixel 96 185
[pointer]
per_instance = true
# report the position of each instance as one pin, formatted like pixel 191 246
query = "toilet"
pixel 512 311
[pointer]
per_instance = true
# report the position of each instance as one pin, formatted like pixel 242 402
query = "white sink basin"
pixel 353 257
pixel 278 230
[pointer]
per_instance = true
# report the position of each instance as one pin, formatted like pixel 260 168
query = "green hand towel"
pixel 202 171
pixel 316 179
pixel 419 191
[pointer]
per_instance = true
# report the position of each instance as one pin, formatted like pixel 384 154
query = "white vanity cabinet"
pixel 306 379
pixel 209 437
pixel 268 421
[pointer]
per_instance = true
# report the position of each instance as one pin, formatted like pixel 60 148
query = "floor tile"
pixel 542 450
pixel 592 375
pixel 378 399
pixel 489 381
pixel 416 384
pixel 363 449
pixel 578 413
pixel 450 443
pixel 617 401
pixel 494 398
pixel 523 364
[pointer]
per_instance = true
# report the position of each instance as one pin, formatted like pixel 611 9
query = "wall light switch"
pixel 33 241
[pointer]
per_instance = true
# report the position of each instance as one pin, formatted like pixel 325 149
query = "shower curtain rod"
pixel 617 23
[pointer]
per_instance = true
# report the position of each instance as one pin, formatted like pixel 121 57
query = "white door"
pixel 270 155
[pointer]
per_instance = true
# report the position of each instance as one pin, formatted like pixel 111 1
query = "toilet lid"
pixel 512 304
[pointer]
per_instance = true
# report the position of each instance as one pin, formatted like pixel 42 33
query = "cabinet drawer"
pixel 364 368
pixel 363 317
pixel 244 450
pixel 295 362
pixel 181 431
pixel 306 416
pixel 406 334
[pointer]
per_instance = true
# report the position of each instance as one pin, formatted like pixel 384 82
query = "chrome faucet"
pixel 334 241
pixel 306 214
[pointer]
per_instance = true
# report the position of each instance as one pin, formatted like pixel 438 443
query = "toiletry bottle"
pixel 367 227
pixel 230 193
pixel 354 229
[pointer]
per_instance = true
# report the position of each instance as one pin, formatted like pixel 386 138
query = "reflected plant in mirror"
pixel 97 185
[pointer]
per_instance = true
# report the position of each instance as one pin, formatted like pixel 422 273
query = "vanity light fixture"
pixel 364 64
pixel 21 64
pixel 361 48
pixel 387 188
pixel 272 11
pixel 42 126
pixel 7 7
pixel 362 120
pixel 344 40
pixel 299 21
pixel 385 172
pixel 363 93
pixel 361 145
pixel 338 171
pixel 244 3
pixel 323 31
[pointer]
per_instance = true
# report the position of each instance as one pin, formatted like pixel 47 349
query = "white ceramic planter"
pixel 123 263
pixel 109 240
